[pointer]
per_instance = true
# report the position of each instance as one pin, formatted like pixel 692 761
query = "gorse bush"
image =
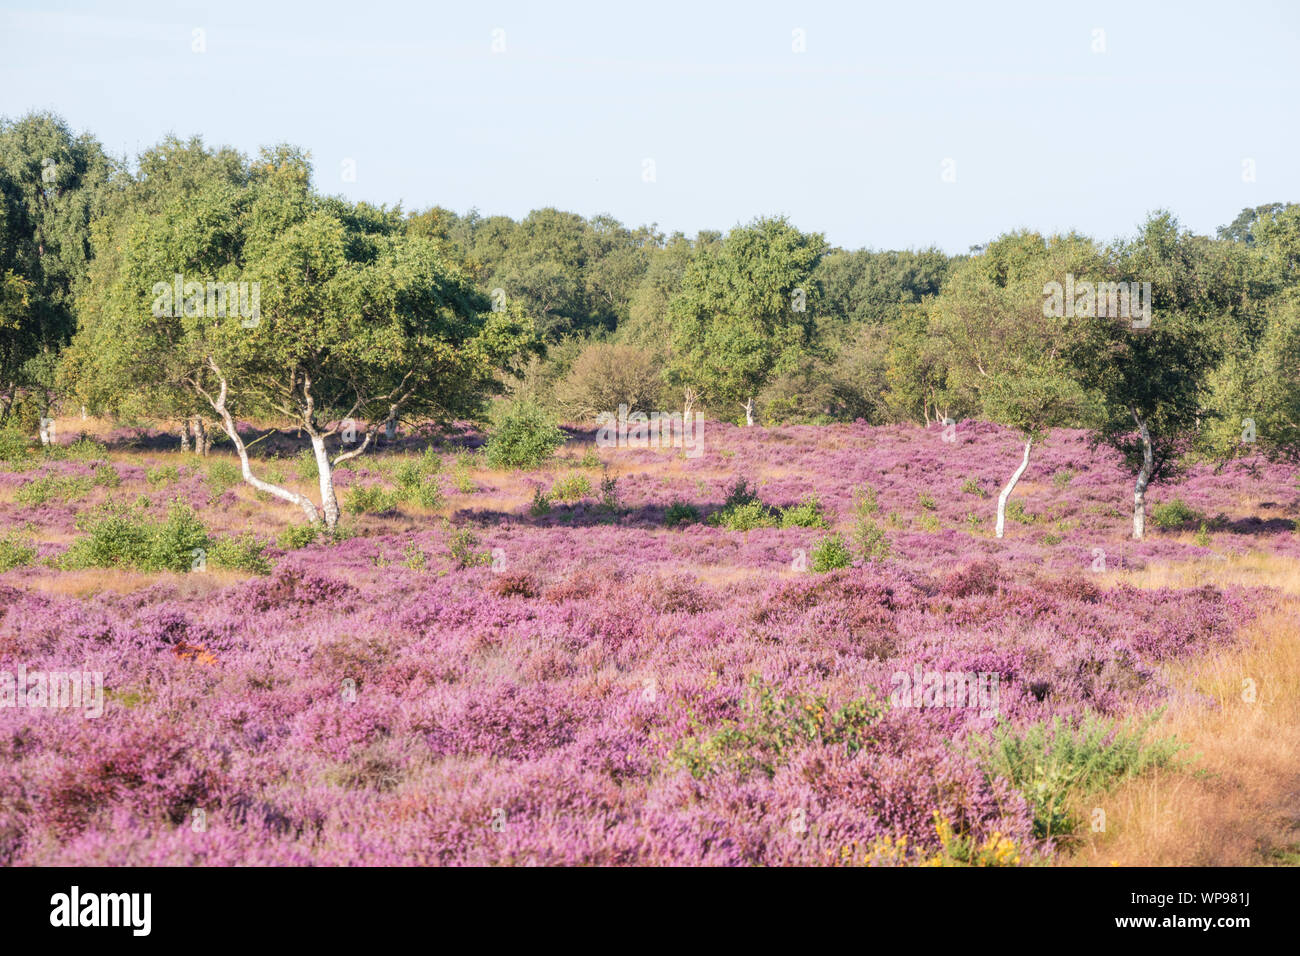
pixel 771 726
pixel 523 436
pixel 1052 763
pixel 573 487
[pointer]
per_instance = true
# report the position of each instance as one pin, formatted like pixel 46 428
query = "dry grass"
pixel 1235 800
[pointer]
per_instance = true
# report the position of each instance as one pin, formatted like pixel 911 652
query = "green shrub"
pixel 86 448
pixel 15 552
pixel 589 459
pixel 306 467
pixel 523 437
pixel 14 445
pixel 106 476
pixel 161 475
pixel 746 517
pixel 772 726
pixel 415 558
pixel 1052 763
pixel 609 493
pixel 1016 512
pixel 541 503
pixel 1062 478
pixel 40 490
pixel 1203 536
pixel 928 522
pixel 806 514
pixel 369 499
pixel 1174 514
pixel 971 486
pixel 829 554
pixel 463 547
pixel 679 512
pixel 123 537
pixel 926 501
pixel 298 536
pixel 242 553
pixel 222 476
pixel 870 540
pixel 572 487
pixel 866 500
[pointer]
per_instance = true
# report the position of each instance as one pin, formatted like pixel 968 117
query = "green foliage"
pixel 1174 514
pixel 463 545
pixel 15 552
pixel 369 499
pixel 1203 536
pixel 222 476
pixel 806 514
pixel 608 493
pixel 413 557
pixel 86 448
pixel 125 537
pixel 240 553
pixel 541 503
pixel 869 539
pixel 971 486
pixel 106 476
pixel 160 475
pixel 679 512
pixel 307 468
pixel 1054 762
pixel 14 445
pixel 417 481
pixel 1062 478
pixel 770 727
pixel 1016 512
pixel 299 536
pixel 926 501
pixel 829 554
pixel 745 517
pixel 523 436
pixel 40 490
pixel 572 487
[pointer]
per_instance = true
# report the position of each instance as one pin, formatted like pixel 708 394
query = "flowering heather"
pixel 601 688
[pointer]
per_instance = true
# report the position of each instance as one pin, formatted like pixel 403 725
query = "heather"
pixel 616 679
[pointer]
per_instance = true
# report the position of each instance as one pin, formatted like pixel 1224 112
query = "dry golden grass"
pixel 1235 799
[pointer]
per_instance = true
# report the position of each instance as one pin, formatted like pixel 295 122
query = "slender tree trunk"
pixel 185 435
pixel 329 501
pixel 1143 479
pixel 1006 492
pixel 202 441
pixel 284 494
pixel 390 430
pixel 749 411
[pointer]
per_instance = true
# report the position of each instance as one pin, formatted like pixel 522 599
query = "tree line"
pixel 201 287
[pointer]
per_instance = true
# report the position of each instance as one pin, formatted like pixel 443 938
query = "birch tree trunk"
pixel 185 436
pixel 325 470
pixel 1143 479
pixel 749 411
pixel 1006 492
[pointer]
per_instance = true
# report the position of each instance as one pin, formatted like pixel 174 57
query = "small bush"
pixel 870 540
pixel 1016 512
pixel 86 448
pixel 15 552
pixel 609 494
pixel 523 437
pixel 866 500
pixel 1203 536
pixel 106 476
pixel 971 486
pixel 222 476
pixel 573 487
pixel 1062 478
pixel 123 537
pixel 306 466
pixel 161 475
pixel 746 517
pixel 1174 514
pixel 369 499
pixel 463 548
pixel 40 490
pixel 926 501
pixel 242 553
pixel 830 553
pixel 298 536
pixel 1052 763
pixel 541 503
pixel 806 514
pixel 14 445
pixel 679 512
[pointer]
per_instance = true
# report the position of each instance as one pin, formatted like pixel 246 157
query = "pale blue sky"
pixel 848 138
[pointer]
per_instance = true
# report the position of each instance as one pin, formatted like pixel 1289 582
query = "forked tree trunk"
pixel 228 426
pixel 1143 479
pixel 1006 492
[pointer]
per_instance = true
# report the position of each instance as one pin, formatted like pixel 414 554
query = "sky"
pixel 882 125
